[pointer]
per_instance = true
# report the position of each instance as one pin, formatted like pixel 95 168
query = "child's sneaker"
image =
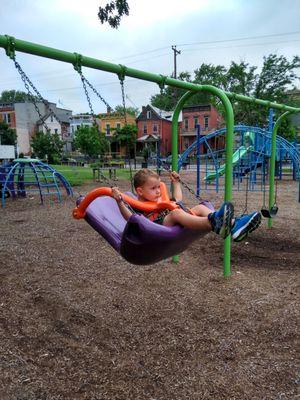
pixel 244 225
pixel 221 220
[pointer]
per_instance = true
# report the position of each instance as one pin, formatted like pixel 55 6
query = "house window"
pixel 186 124
pixel 145 129
pixel 148 114
pixel 6 118
pixel 205 119
pixel 56 130
pixel 118 126
pixel 155 128
pixel 107 127
pixel 196 122
pixel 51 118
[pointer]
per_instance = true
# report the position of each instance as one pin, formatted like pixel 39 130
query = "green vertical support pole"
pixel 229 119
pixel 174 139
pixel 272 165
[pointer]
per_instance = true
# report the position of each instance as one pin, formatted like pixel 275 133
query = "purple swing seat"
pixel 139 240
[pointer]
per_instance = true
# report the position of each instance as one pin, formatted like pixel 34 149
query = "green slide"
pixel 237 155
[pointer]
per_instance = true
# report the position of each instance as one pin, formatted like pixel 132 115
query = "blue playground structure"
pixel 26 176
pixel 250 159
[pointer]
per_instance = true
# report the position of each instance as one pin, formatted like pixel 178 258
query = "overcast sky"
pixel 205 31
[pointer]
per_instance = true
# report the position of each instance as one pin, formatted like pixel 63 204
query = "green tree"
pixel 12 96
pixel 129 110
pixel 126 136
pixel 90 141
pixel 113 11
pixel 8 136
pixel 271 83
pixel 47 144
pixel 166 100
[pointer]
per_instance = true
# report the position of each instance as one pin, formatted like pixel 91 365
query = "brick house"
pixel 154 126
pixel 209 119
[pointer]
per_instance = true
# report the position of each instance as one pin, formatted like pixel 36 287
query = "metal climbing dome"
pixel 25 176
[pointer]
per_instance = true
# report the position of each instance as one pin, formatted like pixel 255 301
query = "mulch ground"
pixel 78 322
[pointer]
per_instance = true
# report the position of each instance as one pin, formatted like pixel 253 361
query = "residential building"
pixel 209 120
pixel 58 122
pixel 154 126
pixel 23 117
pixel 79 120
pixel 110 122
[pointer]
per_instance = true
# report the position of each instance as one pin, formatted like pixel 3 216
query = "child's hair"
pixel 141 177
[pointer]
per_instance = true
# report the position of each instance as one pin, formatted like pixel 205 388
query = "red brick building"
pixel 154 126
pixel 209 120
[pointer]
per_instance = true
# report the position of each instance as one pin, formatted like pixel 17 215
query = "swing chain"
pixel 245 211
pixel 27 83
pixel 88 97
pixel 184 184
pixel 123 98
pixel 96 92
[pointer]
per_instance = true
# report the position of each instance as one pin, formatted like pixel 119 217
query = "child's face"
pixel 150 191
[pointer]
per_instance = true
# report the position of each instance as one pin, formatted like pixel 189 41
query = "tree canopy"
pixel 47 145
pixel 129 110
pixel 126 135
pixel 8 136
pixel 13 96
pixel 90 141
pixel 272 83
pixel 113 11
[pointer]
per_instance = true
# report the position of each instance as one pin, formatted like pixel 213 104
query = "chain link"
pixel 123 100
pixel 184 184
pixel 86 82
pixel 28 83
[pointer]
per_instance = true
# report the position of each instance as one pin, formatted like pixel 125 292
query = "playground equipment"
pixel 11 45
pixel 248 160
pixel 26 176
pixel 236 157
pixel 139 241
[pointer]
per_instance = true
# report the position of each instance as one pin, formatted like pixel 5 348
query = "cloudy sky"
pixel 205 31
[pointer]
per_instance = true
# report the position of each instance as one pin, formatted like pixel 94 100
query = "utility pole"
pixel 176 52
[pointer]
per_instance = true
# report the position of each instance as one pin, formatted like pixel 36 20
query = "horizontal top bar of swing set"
pixel 55 54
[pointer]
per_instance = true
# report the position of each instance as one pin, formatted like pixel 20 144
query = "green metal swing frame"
pixel 11 45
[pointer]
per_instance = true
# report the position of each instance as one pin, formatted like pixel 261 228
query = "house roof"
pixel 166 115
pixel 148 138
pixel 45 117
pixel 60 117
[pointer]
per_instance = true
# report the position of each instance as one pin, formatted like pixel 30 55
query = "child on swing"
pixel 222 221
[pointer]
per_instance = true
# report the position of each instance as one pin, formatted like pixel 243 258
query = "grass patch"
pixel 79 175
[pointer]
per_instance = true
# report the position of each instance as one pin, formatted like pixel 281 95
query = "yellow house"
pixel 110 122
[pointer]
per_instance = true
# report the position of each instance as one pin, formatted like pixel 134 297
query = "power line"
pixel 210 42
pixel 239 39
pixel 241 45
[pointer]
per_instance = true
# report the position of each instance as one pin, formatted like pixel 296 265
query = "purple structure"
pixel 139 241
